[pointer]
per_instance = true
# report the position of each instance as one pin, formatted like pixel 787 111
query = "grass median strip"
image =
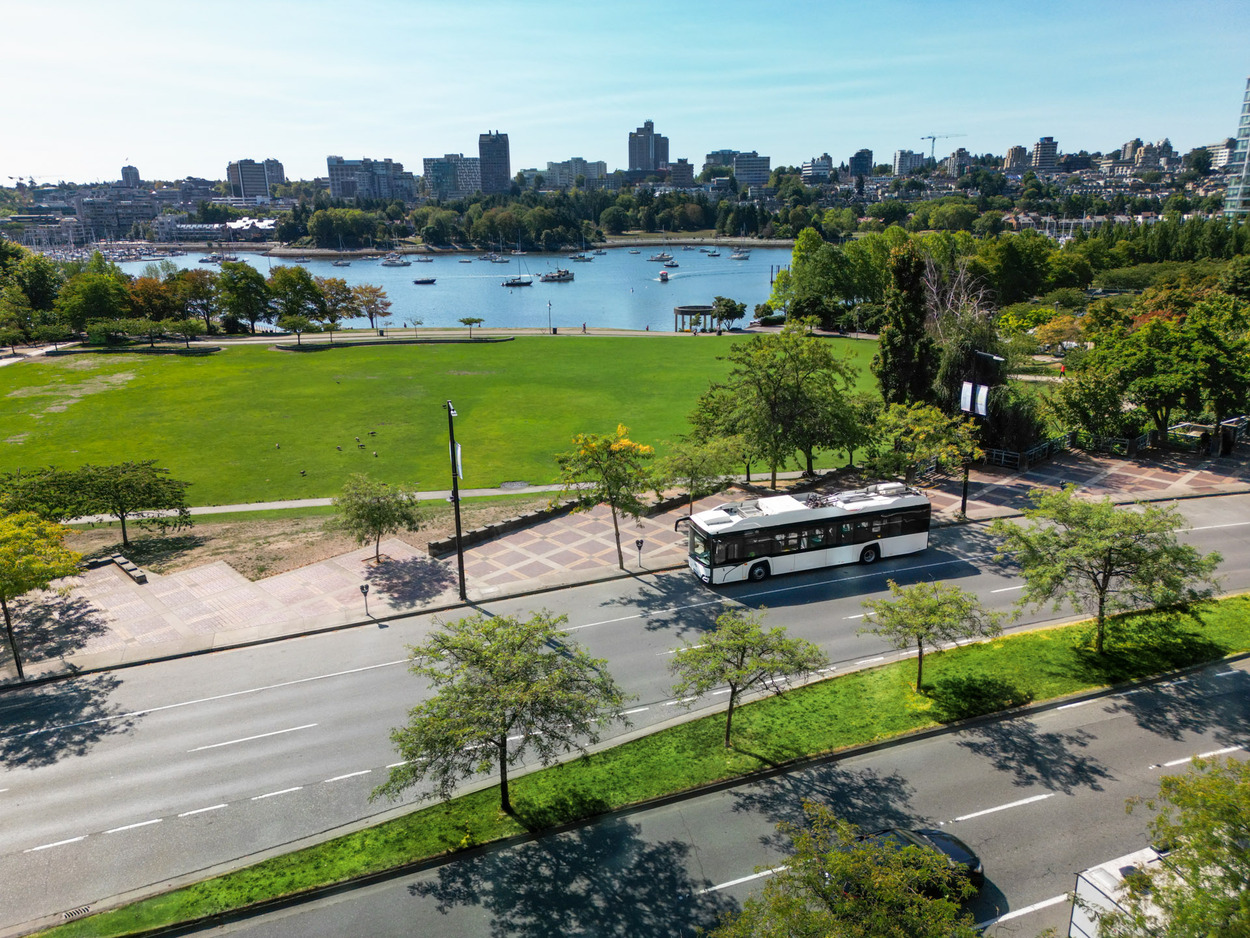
pixel 833 714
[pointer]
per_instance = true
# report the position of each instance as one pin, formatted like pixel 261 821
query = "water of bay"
pixel 616 290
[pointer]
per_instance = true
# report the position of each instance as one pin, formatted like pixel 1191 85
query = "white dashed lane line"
pixel 130 827
pixel 211 807
pixel 59 843
pixel 1004 807
pixel 248 739
pixel 339 778
pixel 1202 755
pixel 1027 910
pixel 274 794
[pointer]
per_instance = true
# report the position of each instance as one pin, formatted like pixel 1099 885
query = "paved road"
pixel 132 778
pixel 1039 798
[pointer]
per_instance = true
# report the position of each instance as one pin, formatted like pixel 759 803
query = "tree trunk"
pixel 125 539
pixel 620 557
pixel 811 466
pixel 505 802
pixel 729 715
pixel 919 664
pixel 8 627
pixel 1102 623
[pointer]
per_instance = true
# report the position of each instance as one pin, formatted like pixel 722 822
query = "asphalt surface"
pixel 116 783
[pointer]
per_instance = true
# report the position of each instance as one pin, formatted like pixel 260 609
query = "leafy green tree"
pixel 40 279
pixel 152 298
pixel 297 325
pixel 906 438
pixel 929 614
pixel 369 510
pixel 699 465
pixel 337 302
pixel 186 329
pixel 1103 558
pixel 197 293
pixel 610 469
pixel 294 292
pixel 1204 817
pixel 1090 401
pixel 243 294
pixel 906 353
pixel 1152 367
pixel 725 310
pixel 472 321
pixel 837 882
pixel 371 302
pixel 503 688
pixel 135 491
pixel 741 655
pixel 88 297
pixel 32 555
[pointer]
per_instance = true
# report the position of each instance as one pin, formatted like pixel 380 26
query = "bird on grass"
pixel 339 448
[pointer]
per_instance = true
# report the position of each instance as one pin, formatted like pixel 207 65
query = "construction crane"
pixel 934 138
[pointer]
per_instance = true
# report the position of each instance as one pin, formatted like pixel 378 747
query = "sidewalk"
pixel 106 620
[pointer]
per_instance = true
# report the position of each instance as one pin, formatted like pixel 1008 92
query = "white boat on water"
pixel 740 254
pixel 661 257
pixel 663 276
pixel 559 275
pixel 430 260
pixel 713 253
pixel 341 263
pixel 395 259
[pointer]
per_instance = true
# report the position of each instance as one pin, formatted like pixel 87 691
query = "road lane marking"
pixel 1203 755
pixel 199 700
pixel 274 794
pixel 673 651
pixel 1004 807
pixel 395 765
pixel 673 703
pixel 626 713
pixel 59 843
pixel 130 827
pixel 716 692
pixel 1221 674
pixel 1028 909
pixel 339 778
pixel 1008 589
pixel 1213 527
pixel 832 667
pixel 1079 703
pixel 860 616
pixel 871 660
pixel 739 880
pixel 211 807
pixel 248 739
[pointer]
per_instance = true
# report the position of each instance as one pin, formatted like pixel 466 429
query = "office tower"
pixel 453 175
pixel 369 179
pixel 907 161
pixel 130 177
pixel 1016 158
pixel 1045 152
pixel 252 180
pixel 861 163
pixel 496 167
pixel 647 149
pixel 1237 199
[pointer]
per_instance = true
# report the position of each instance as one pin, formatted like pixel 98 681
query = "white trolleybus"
pixel 753 539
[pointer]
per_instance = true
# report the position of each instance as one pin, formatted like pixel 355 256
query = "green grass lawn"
pixel 242 423
pixel 858 708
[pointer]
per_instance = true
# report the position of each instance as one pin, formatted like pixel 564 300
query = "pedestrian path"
pixel 105 620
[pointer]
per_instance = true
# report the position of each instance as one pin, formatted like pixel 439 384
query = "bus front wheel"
pixel 870 554
pixel 759 573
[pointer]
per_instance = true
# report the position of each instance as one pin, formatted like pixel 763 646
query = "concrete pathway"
pixel 104 619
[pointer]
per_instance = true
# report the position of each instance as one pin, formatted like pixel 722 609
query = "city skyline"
pixel 175 93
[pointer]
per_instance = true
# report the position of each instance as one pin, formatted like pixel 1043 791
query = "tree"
pixel 1200 892
pixel 741 655
pixel 372 303
pixel 187 329
pixel 609 469
pixel 337 302
pixel 472 321
pixel 700 466
pixel 197 292
pixel 294 292
pixel 32 555
pixel 368 510
pixel 496 680
pixel 243 293
pixel 906 356
pixel 91 296
pixel 136 491
pixel 1103 558
pixel 927 614
pixel 298 325
pixel 837 882
pixel 725 310
pixel 907 438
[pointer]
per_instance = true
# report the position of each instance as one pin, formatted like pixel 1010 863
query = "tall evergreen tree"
pixel 906 360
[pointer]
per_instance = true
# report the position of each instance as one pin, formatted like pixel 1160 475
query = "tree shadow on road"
pixel 677 604
pixel 43 725
pixel 1202 703
pixel 862 796
pixel 602 880
pixel 1035 757
pixel 410 582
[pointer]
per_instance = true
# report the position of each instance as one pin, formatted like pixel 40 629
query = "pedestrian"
pixel 1062 366
pixel 583 328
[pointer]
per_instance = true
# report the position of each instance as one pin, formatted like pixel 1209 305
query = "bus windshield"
pixel 699 546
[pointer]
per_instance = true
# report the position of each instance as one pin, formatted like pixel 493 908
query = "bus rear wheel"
pixel 869 554
pixel 758 573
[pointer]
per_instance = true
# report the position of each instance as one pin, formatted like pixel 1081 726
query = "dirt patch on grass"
pixel 267 547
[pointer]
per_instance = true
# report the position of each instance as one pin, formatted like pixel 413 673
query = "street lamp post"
pixel 455 494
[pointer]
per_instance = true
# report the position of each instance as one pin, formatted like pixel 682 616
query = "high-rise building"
pixel 681 174
pixel 1016 158
pixel 369 179
pixel 751 169
pixel 1237 199
pixel 564 174
pixel 719 158
pixel 647 149
pixel 860 164
pixel 453 175
pixel 1045 153
pixel 496 167
pixel 906 161
pixel 252 180
pixel 130 177
pixel 817 169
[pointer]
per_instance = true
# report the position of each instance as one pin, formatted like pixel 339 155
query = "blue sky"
pixel 180 88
